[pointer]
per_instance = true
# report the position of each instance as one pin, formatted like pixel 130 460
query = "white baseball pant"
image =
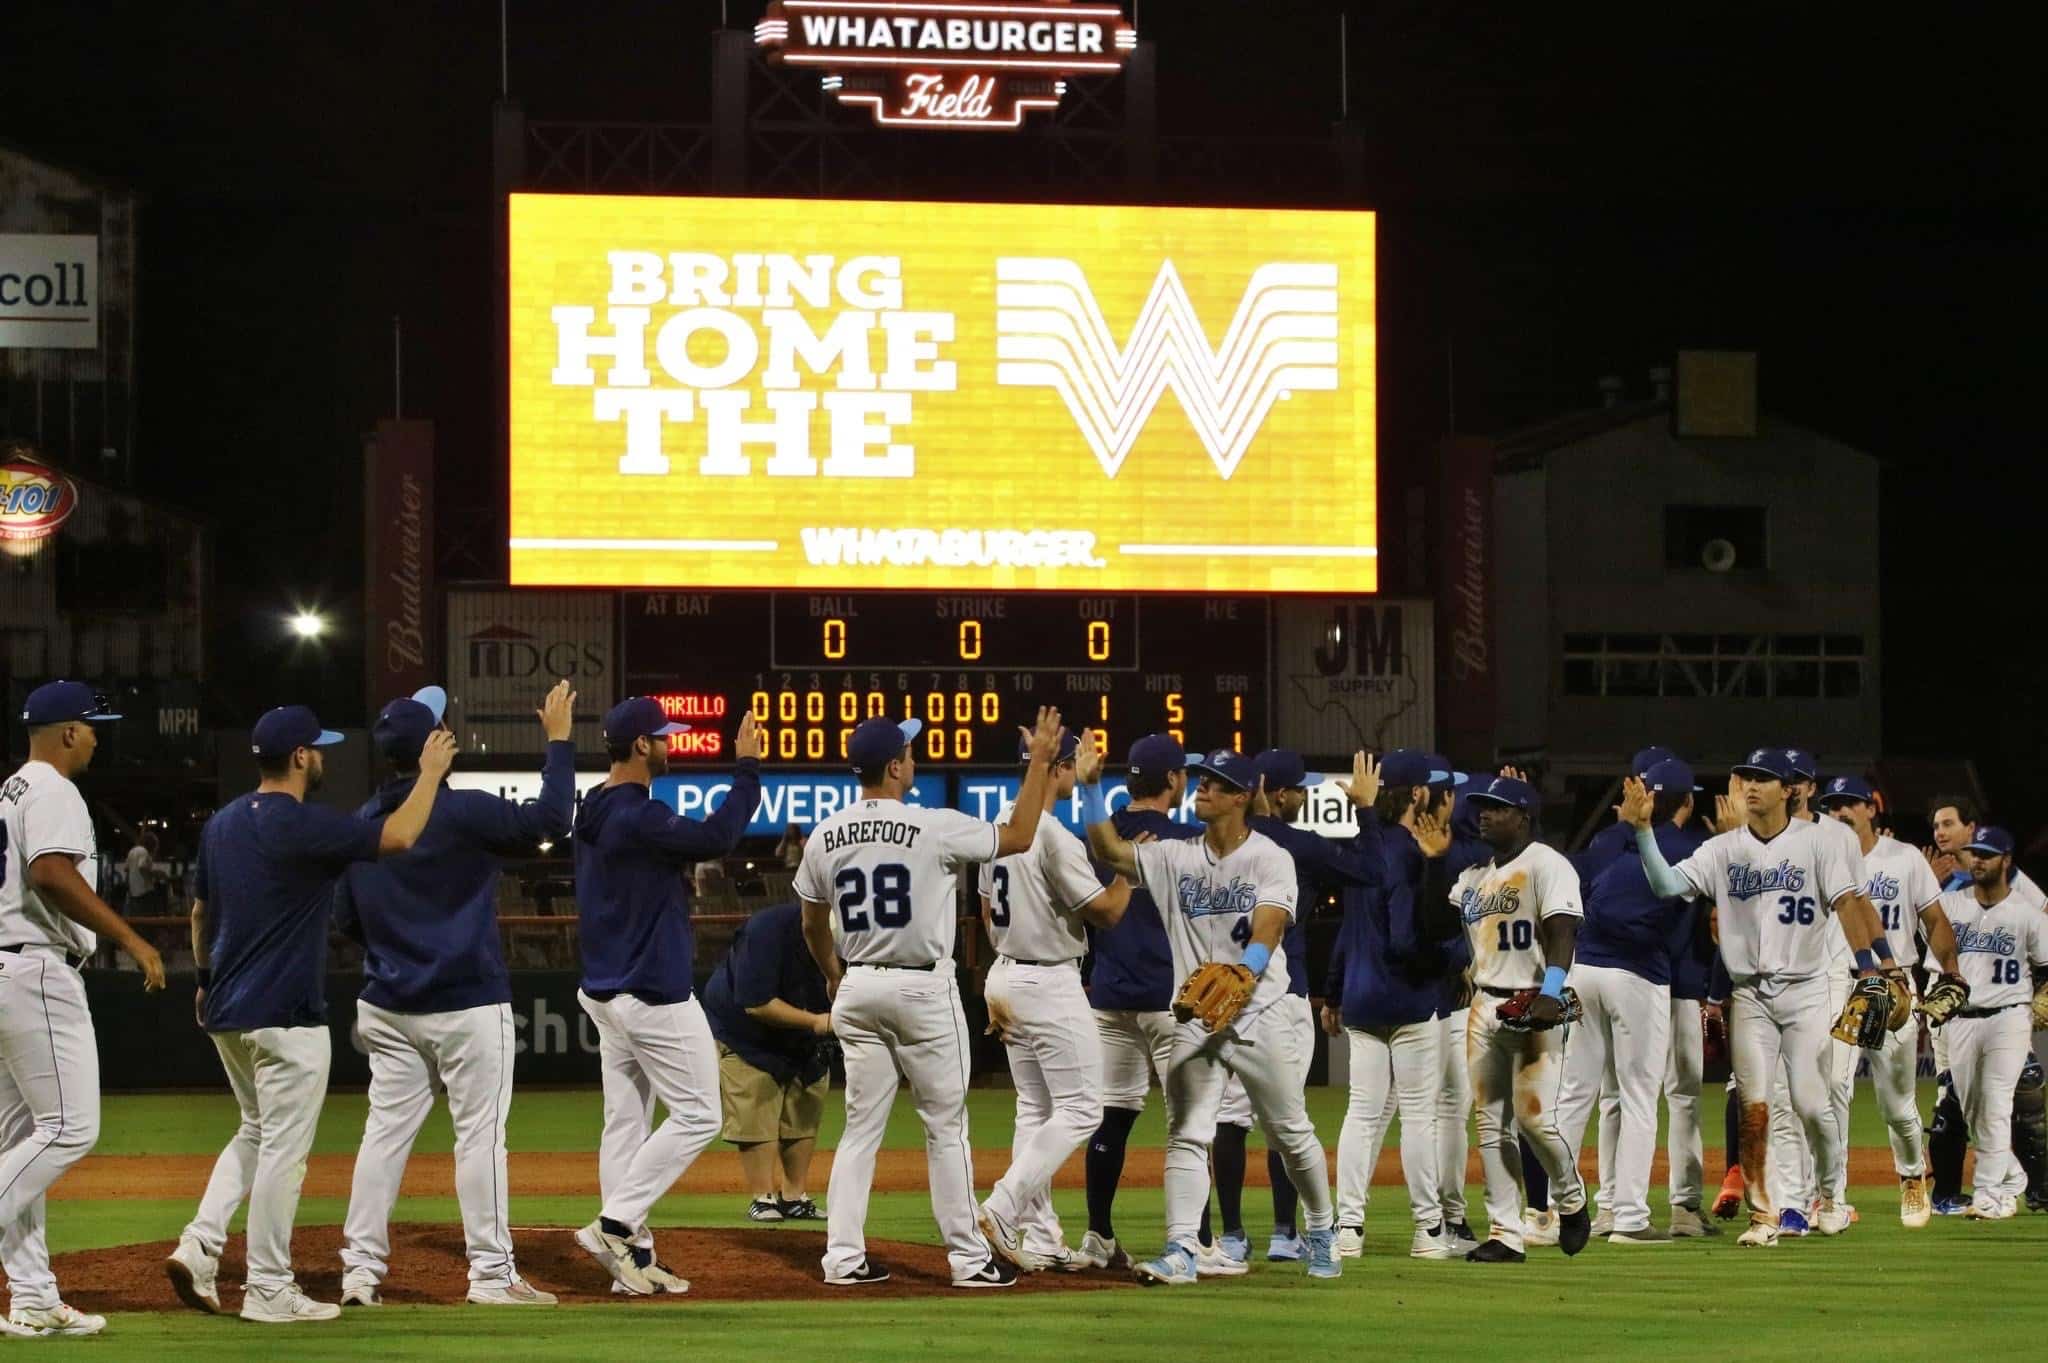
pixel 1793 1180
pixel 1055 1055
pixel 1625 1038
pixel 1135 1046
pixel 1267 1058
pixel 1453 1116
pixel 1300 1018
pixel 1895 1074
pixel 1986 1055
pixel 1683 1147
pixel 1774 1024
pixel 907 1020
pixel 1516 1081
pixel 279 1078
pixel 468 1054
pixel 49 1106
pixel 649 1051
pixel 1392 1068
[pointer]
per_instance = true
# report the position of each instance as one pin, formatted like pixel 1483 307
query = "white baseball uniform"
pixel 886 870
pixel 1034 902
pixel 1207 903
pixel 1516 1076
pixel 1773 900
pixel 1900 886
pixel 49 1056
pixel 1997 948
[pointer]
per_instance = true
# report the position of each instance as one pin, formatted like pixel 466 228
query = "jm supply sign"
pixel 49 291
pixel 805 394
pixel 947 65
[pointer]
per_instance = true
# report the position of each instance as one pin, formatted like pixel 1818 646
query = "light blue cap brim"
pixel 1313 778
pixel 328 738
pixel 98 718
pixel 670 728
pixel 435 699
pixel 911 729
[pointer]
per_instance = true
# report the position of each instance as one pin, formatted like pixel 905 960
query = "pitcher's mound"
pixel 428 1268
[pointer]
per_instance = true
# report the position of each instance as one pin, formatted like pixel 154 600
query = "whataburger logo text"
pixel 881 355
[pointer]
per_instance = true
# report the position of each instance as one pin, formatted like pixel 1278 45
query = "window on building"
pixel 1715 666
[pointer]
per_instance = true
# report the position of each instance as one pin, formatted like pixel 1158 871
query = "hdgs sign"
pixel 784 393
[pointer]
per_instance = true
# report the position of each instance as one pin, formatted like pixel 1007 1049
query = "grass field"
pixel 1810 1300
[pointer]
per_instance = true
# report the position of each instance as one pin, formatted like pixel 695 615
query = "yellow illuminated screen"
pixel 803 393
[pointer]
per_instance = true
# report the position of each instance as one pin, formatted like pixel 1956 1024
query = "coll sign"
pixel 947 64
pixel 49 292
pixel 851 395
pixel 34 501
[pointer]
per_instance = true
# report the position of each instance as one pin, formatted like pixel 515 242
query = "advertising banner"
pixel 49 292
pixel 398 560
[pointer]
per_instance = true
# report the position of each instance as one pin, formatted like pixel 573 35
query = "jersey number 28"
pixel 890 901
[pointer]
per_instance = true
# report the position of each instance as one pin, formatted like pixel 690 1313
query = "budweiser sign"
pixel 941 64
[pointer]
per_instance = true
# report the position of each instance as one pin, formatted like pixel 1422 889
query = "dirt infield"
pixel 428 1268
pixel 717 1171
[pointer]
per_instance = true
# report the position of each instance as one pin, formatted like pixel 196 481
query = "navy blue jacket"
pixel 1320 869
pixel 769 960
pixel 266 871
pixel 1388 967
pixel 632 896
pixel 1602 850
pixel 428 920
pixel 1133 965
pixel 1628 926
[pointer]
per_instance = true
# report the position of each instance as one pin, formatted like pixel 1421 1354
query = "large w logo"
pixel 1050 333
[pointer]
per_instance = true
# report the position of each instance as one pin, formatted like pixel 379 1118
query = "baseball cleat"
pixel 1172 1268
pixel 994 1273
pixel 1098 1251
pixel 1573 1230
pixel 1062 1260
pixel 1914 1210
pixel 1951 1206
pixel 800 1209
pixel 1762 1233
pixel 1539 1229
pixel 56 1320
pixel 866 1275
pixel 1987 1207
pixel 1687 1223
pixel 1236 1246
pixel 1648 1235
pixel 1792 1223
pixel 1212 1262
pixel 1285 1248
pixel 614 1253
pixel 1430 1242
pixel 1322 1254
pixel 1495 1252
pixel 1006 1239
pixel 764 1209
pixel 8 1329
pixel 1729 1201
pixel 514 1292
pixel 1351 1242
pixel 1830 1218
pixel 285 1305
pixel 360 1294
pixel 193 1274
pixel 1603 1222
pixel 1463 1241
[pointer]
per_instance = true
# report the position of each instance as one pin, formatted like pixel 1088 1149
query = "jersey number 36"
pixel 890 900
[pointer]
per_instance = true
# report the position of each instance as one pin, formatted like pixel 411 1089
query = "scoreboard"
pixel 973 666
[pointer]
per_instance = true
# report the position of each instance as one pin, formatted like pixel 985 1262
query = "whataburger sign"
pixel 948 65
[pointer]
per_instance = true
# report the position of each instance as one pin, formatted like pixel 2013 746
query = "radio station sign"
pixel 34 502
pixel 947 65
pixel 855 395
pixel 49 292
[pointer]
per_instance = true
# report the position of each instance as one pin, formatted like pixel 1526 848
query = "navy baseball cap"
pixel 288 728
pixel 402 726
pixel 1771 764
pixel 639 717
pixel 1506 790
pixel 1443 776
pixel 1646 758
pixel 1070 743
pixel 1845 789
pixel 60 702
pixel 877 742
pixel 1991 841
pixel 1227 765
pixel 1282 767
pixel 1406 767
pixel 1157 755
pixel 1805 763
pixel 1670 774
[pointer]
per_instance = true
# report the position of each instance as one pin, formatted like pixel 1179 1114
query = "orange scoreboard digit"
pixel 855 395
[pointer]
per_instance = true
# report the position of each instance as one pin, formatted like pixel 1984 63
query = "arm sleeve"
pixel 1277 883
pixel 1068 872
pixel 54 819
pixel 347 920
pixel 1155 870
pixel 1559 889
pixel 963 840
pixel 809 882
pixel 685 839
pixel 330 836
pixel 1404 928
pixel 1922 890
pixel 1440 917
pixel 513 826
pixel 1837 874
pixel 2039 947
pixel 1687 878
pixel 1333 866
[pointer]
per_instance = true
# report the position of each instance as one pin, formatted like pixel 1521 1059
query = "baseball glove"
pixel 1216 993
pixel 1515 1013
pixel 1866 1017
pixel 1900 986
pixel 2040 1008
pixel 1945 995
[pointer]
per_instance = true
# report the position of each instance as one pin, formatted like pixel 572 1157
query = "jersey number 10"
pixel 1521 939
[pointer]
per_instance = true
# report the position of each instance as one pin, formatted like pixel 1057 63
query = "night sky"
pixel 1565 195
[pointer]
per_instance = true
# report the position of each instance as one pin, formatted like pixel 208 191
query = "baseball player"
pixel 436 1006
pixel 1130 990
pixel 2002 947
pixel 1226 898
pixel 263 892
pixel 633 854
pixel 1775 882
pixel 1321 870
pixel 1384 983
pixel 1521 911
pixel 1035 905
pixel 1621 971
pixel 1454 1098
pixel 51 918
pixel 1903 890
pixel 877 884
